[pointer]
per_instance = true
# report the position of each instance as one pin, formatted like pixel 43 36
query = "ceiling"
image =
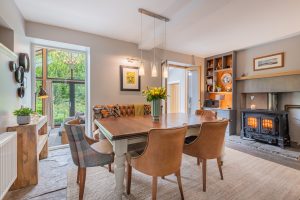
pixel 198 27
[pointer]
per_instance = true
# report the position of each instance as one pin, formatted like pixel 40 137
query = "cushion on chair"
pixel 103 146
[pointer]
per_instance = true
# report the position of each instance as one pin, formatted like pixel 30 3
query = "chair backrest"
pixel 163 153
pixel 210 141
pixel 75 132
pixel 206 113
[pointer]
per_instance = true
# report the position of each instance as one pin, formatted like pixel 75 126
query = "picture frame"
pixel 268 62
pixel 129 78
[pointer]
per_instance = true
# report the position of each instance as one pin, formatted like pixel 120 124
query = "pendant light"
pixel 165 66
pixel 154 68
pixel 141 68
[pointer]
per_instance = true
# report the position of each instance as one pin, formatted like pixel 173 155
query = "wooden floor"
pixel 245 177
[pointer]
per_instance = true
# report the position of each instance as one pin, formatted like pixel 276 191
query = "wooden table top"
pixel 127 127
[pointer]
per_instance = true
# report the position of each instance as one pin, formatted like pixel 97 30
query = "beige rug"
pixel 245 177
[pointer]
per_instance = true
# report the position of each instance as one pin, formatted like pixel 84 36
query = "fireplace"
pixel 267 126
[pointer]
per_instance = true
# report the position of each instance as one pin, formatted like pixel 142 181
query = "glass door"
pixel 193 83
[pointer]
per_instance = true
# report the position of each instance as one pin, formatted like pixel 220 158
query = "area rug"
pixel 245 177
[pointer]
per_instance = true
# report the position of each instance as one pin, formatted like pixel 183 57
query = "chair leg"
pixel 163 177
pixel 220 167
pixel 154 187
pixel 109 167
pixel 78 172
pixel 179 183
pixel 129 174
pixel 204 174
pixel 82 182
pixel 198 161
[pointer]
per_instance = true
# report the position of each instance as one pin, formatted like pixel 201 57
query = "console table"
pixel 32 146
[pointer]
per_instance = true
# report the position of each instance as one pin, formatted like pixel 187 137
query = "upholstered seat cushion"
pixel 103 146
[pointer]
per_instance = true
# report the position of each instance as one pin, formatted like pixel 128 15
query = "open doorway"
pixel 62 74
pixel 183 88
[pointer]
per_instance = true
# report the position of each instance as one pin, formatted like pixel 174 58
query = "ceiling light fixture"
pixel 153 65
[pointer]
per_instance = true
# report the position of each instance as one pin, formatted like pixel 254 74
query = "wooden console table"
pixel 32 145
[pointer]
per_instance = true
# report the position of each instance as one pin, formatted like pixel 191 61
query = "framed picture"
pixel 268 62
pixel 130 79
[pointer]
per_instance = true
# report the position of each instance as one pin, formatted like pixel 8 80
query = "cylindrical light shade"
pixel 42 93
pixel 142 69
pixel 154 70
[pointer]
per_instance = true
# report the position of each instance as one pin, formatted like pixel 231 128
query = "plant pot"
pixel 21 120
pixel 155 110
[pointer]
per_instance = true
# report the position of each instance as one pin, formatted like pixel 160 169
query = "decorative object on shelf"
pixel 155 95
pixel 252 106
pixel 12 66
pixel 226 79
pixel 209 81
pixel 19 74
pixel 24 61
pixel 23 115
pixel 218 88
pixel 129 78
pixel 228 88
pixel 268 62
pixel 210 88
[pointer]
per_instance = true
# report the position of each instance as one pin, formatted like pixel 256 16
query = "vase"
pixel 155 109
pixel 22 120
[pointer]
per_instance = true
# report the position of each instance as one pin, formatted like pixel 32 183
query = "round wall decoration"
pixel 24 61
pixel 226 78
pixel 19 74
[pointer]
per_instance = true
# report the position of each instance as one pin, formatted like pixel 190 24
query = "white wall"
pixel 8 87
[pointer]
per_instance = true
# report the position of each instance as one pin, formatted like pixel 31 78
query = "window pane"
pixel 38 102
pixel 79 67
pixel 38 63
pixel 80 98
pixel 61 102
pixel 57 66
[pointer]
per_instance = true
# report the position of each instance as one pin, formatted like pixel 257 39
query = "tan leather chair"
pixel 206 113
pixel 161 157
pixel 208 145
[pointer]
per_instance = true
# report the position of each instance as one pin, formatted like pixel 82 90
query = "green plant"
pixel 155 93
pixel 23 112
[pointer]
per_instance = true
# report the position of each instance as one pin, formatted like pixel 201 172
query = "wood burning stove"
pixel 266 125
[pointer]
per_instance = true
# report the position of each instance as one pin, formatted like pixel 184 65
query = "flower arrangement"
pixel 154 93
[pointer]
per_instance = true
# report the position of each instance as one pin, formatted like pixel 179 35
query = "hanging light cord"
pixel 154 40
pixel 141 37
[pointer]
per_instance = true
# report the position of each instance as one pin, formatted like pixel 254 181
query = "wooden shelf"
pixel 287 73
pixel 220 92
pixel 222 70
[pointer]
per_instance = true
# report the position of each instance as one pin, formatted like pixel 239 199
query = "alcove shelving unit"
pixel 220 84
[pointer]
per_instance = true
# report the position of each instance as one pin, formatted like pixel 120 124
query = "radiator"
pixel 8 161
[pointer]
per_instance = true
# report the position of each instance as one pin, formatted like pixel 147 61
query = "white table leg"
pixel 120 149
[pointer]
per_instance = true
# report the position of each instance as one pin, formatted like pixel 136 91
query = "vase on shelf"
pixel 155 109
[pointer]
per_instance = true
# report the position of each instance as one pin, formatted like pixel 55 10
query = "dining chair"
pixel 206 113
pixel 161 157
pixel 194 132
pixel 86 152
pixel 208 145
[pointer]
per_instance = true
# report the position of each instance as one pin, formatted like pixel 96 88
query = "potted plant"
pixel 23 115
pixel 155 95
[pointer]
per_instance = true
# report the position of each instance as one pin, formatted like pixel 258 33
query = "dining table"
pixel 125 131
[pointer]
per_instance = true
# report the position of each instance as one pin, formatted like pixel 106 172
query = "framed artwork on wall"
pixel 268 62
pixel 129 78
